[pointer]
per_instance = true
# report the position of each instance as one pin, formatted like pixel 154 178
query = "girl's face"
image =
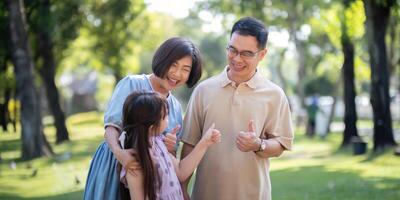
pixel 177 74
pixel 161 128
pixel 163 124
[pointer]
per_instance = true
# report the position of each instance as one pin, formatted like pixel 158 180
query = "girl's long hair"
pixel 142 110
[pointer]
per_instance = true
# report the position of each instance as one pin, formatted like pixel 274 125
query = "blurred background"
pixel 338 62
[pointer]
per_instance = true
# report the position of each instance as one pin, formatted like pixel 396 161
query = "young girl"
pixel 145 116
pixel 175 63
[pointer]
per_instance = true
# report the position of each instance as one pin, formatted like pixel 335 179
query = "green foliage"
pixel 319 85
pixel 111 23
pixel 61 20
pixel 355 19
pixel 213 50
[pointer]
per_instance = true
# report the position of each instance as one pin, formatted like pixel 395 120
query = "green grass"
pixel 315 169
pixel 56 176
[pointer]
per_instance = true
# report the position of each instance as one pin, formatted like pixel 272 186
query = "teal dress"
pixel 103 180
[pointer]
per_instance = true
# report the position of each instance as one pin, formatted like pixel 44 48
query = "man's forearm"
pixel 273 149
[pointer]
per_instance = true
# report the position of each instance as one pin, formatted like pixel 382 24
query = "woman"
pixel 176 62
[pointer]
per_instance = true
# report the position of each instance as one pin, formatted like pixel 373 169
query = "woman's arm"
pixel 124 156
pixel 185 167
pixel 135 185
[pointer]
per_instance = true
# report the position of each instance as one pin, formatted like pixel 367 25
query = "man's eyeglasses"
pixel 232 52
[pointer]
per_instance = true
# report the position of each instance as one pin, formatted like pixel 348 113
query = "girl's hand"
pixel 211 136
pixel 170 139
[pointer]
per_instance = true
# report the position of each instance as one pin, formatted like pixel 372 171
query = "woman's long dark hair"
pixel 142 110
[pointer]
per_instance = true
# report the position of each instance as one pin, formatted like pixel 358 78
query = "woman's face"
pixel 178 73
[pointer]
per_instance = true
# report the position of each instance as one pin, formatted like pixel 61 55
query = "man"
pixel 252 114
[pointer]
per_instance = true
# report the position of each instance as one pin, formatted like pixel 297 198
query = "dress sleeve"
pixel 113 113
pixel 193 120
pixel 180 121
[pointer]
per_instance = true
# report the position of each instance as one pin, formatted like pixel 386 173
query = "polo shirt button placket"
pixel 235 97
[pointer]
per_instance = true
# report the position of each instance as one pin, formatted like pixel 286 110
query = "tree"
pixel 34 143
pixel 349 92
pixel 42 25
pixel 111 23
pixel 6 85
pixel 378 15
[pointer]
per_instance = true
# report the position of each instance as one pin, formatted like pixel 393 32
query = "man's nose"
pixel 237 57
pixel 177 72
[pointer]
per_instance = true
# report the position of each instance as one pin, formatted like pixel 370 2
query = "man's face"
pixel 243 56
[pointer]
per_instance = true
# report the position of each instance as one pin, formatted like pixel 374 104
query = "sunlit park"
pixel 337 61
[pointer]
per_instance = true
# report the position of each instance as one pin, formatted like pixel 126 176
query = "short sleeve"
pixel 113 113
pixel 178 113
pixel 279 127
pixel 193 120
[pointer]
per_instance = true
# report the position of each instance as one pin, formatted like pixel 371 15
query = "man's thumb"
pixel 251 126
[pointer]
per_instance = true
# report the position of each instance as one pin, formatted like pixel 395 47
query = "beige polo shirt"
pixel 225 172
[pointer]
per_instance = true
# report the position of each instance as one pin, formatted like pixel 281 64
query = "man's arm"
pixel 273 148
pixel 247 141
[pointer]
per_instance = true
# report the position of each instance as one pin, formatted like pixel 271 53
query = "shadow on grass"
pixel 370 155
pixel 65 196
pixel 318 183
pixel 10 145
pixel 78 150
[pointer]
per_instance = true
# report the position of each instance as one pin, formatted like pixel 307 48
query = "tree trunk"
pixel 350 114
pixel 279 70
pixel 377 16
pixel 300 50
pixel 34 143
pixel 4 112
pixel 47 73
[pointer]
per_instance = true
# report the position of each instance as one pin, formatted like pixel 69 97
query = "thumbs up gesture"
pixel 211 136
pixel 170 139
pixel 248 141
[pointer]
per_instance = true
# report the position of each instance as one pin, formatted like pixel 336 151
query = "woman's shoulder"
pixel 135 81
pixel 136 78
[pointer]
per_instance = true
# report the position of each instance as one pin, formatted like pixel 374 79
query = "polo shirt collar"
pixel 252 83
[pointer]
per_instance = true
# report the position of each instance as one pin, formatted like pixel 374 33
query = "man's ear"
pixel 263 53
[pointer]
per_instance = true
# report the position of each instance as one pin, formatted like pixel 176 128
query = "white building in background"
pixel 79 92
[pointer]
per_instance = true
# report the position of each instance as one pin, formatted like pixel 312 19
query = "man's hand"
pixel 170 139
pixel 248 141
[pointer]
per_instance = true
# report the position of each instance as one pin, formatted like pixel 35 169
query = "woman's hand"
pixel 128 159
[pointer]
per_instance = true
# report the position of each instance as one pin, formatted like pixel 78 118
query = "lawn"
pixel 315 169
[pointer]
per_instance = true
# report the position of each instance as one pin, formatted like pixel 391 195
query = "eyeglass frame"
pixel 243 56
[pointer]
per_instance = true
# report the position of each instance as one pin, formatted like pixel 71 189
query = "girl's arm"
pixel 135 185
pixel 185 167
